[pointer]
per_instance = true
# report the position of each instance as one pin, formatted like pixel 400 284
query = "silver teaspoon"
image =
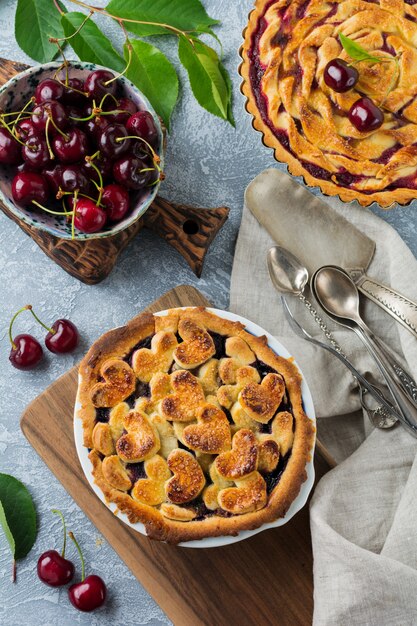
pixel 339 297
pixel 289 276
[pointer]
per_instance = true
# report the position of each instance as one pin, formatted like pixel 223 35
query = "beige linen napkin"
pixel 364 512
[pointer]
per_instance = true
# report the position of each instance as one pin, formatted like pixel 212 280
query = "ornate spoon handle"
pixel 398 306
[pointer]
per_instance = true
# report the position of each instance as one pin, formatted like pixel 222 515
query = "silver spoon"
pixel 338 295
pixel 288 275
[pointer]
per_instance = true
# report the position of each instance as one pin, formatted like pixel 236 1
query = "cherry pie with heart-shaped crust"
pixel 288 44
pixel 195 427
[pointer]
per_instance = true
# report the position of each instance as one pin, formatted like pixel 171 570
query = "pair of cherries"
pixel 26 351
pixel 56 571
pixel 363 114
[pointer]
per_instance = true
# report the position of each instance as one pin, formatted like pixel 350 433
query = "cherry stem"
pixel 40 206
pixel 61 132
pixel 74 205
pixel 30 101
pixel 51 154
pixel 14 571
pixel 50 330
pixel 58 512
pixel 56 39
pixel 100 178
pixel 27 307
pixel 155 157
pixel 107 95
pixel 71 536
pixel 129 60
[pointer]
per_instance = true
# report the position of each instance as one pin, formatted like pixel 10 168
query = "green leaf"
pixel 17 515
pixel 35 22
pixel 6 528
pixel 208 80
pixel 189 15
pixel 155 76
pixel 355 51
pixel 90 44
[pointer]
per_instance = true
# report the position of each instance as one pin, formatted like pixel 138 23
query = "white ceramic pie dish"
pixel 214 542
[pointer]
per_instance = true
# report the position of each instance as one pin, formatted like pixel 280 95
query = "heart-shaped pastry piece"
pixel 182 405
pixel 208 376
pixel 268 454
pixel 188 479
pixel 178 513
pixel 141 440
pixel 211 434
pixel 102 439
pixel 228 394
pixel 282 431
pixel 240 354
pixel 115 473
pixel 151 490
pixel 211 492
pixel 147 362
pixel 242 459
pixel 248 495
pixel 116 420
pixel 197 346
pixel 119 383
pixel 261 402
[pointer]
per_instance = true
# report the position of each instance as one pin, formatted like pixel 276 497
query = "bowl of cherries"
pixel 81 150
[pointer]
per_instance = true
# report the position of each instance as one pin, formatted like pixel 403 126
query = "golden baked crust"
pixel 287 45
pixel 210 450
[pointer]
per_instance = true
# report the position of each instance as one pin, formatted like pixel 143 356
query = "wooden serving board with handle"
pixel 190 230
pixel 263 580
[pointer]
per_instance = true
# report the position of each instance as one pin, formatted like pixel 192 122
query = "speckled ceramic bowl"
pixel 15 94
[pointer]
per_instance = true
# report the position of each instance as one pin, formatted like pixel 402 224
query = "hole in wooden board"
pixel 190 227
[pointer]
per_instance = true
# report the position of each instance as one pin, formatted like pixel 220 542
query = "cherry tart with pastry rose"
pixel 332 86
pixel 195 427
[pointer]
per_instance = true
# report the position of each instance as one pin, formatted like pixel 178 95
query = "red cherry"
pixel 10 152
pixel 28 186
pixel 340 76
pixel 95 84
pixel 126 108
pixel 131 172
pixel 64 337
pixel 88 594
pixel 89 218
pixel 142 124
pixel 25 129
pixel 54 570
pixel 115 200
pixel 49 89
pixel 72 95
pixel 71 148
pixel 112 141
pixel 26 352
pixel 36 153
pixel 365 115
pixel 49 109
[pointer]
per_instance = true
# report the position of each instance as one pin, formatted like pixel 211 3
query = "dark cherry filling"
pixel 135 471
pixel 274 477
pixel 102 414
pixel 387 154
pixel 219 344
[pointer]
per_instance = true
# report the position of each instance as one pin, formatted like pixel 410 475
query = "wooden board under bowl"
pixel 190 230
pixel 267 579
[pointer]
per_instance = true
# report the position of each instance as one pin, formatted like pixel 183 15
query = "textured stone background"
pixel 209 164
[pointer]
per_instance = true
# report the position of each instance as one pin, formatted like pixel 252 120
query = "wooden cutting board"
pixel 190 230
pixel 263 580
